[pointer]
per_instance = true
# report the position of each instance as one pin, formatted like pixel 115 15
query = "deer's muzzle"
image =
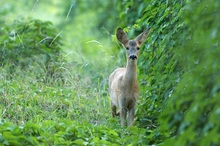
pixel 132 57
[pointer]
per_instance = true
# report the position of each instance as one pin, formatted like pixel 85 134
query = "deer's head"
pixel 132 46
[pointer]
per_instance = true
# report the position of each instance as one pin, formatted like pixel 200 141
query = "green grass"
pixel 75 111
pixel 30 99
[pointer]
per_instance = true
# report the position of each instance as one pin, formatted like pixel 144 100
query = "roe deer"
pixel 123 84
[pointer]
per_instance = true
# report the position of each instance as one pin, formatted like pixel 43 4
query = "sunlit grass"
pixel 26 98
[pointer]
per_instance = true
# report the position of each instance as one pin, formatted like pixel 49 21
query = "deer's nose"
pixel 133 57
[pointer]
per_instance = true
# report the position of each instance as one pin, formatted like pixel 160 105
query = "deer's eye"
pixel 127 48
pixel 138 48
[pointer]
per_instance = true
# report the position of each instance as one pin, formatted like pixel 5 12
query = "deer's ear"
pixel 142 37
pixel 122 36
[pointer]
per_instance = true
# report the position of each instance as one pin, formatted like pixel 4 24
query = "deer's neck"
pixel 130 73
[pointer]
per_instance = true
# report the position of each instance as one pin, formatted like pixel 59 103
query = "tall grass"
pixel 30 95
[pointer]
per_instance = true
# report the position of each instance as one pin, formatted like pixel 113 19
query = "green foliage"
pixel 27 38
pixel 67 133
pixel 192 113
pixel 158 69
pixel 178 73
pixel 31 43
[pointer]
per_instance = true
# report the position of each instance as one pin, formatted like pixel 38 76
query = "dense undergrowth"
pixel 54 76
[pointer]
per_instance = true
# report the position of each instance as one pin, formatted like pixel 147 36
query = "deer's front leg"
pixel 123 112
pixel 131 116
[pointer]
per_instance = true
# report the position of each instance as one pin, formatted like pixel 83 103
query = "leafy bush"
pixel 192 113
pixel 27 38
pixel 28 41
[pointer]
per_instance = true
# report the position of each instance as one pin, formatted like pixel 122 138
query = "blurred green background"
pixel 56 56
